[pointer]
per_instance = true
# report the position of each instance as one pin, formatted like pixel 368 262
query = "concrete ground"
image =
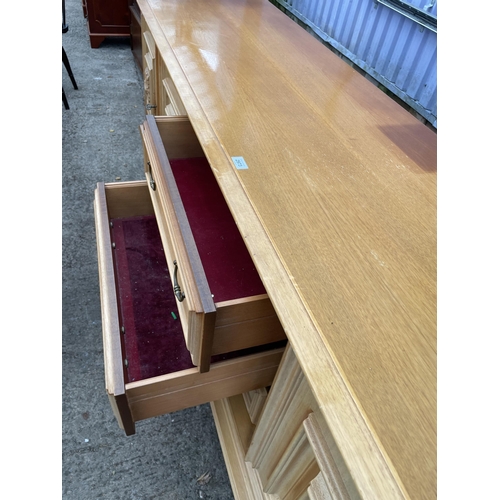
pixel 101 142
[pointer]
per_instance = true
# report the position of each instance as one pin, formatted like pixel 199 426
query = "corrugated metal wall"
pixel 396 51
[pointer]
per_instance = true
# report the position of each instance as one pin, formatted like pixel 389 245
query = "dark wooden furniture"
pixel 106 18
pixel 135 33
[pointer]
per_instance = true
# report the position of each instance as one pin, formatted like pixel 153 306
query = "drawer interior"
pixel 228 267
pixel 224 293
pixel 153 341
pixel 151 333
pixel 148 369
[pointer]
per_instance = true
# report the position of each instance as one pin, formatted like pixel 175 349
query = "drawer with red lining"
pixel 223 305
pixel 148 369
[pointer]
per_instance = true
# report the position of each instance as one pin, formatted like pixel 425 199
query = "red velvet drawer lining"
pixel 153 342
pixel 228 266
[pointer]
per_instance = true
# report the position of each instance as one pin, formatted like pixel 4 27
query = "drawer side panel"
pixel 113 367
pixel 113 361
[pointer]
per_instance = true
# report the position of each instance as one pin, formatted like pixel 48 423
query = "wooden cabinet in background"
pixel 135 33
pixel 105 19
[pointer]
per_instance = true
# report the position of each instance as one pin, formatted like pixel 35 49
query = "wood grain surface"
pixel 338 210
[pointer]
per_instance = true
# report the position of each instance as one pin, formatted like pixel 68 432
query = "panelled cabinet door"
pixel 169 101
pixel 149 70
pixel 318 489
pixel 293 455
pixel 329 482
pixel 279 450
pixel 254 402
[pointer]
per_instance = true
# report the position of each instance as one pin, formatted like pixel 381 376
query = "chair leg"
pixel 68 68
pixel 65 101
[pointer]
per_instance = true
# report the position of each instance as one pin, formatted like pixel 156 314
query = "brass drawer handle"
pixel 177 289
pixel 152 182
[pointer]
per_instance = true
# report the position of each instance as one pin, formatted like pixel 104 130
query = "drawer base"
pixel 226 261
pixel 153 339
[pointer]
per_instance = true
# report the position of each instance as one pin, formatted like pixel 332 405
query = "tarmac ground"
pixel 101 142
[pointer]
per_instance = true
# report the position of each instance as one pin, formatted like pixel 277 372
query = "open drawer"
pixel 223 305
pixel 148 370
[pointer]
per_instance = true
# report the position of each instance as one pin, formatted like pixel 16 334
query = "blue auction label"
pixel 239 162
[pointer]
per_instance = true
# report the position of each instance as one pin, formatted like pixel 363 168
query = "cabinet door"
pixel 292 451
pixel 149 70
pixel 169 101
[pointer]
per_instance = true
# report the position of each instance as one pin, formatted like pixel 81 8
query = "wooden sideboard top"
pixel 338 210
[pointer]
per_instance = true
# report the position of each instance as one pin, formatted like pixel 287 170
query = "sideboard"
pixel 280 252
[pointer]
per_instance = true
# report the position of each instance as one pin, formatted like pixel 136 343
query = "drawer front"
pixel 206 254
pixel 195 302
pixel 144 376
